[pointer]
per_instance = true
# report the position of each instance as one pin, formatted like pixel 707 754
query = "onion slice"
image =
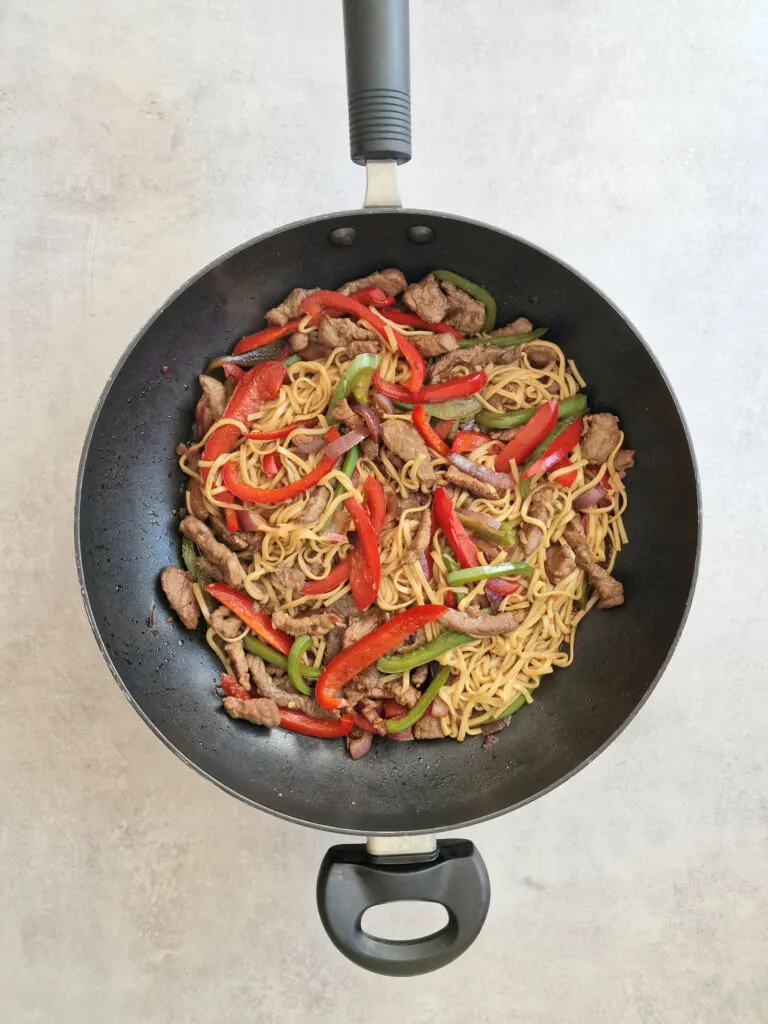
pixel 342 444
pixel 488 476
pixel 371 419
pixel 589 498
pixel 383 405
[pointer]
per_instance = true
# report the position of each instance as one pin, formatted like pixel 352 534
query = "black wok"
pixel 126 533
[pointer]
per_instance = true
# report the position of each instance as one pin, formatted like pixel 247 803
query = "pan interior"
pixel 126 534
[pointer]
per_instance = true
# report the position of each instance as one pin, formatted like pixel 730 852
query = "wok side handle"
pixel 351 880
pixel 378 80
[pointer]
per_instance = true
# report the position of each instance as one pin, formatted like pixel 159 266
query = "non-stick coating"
pixel 126 534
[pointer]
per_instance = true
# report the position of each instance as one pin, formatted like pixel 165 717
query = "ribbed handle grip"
pixel 378 79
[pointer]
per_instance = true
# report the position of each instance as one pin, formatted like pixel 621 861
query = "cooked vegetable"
pixel 322 728
pixel 232 688
pixel 430 394
pixel 455 534
pixel 534 431
pixel 238 602
pixel 411 320
pixel 359 367
pixel 273 435
pixel 557 450
pixel 266 495
pixel 419 708
pixel 423 655
pixel 468 440
pixel 489 572
pixel 298 648
pixel 433 440
pixel 475 291
pixel 567 407
pixel 503 535
pixel 507 340
pixel 365 567
pixel 372 297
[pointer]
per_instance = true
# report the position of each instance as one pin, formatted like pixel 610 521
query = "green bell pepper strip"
pixel 583 598
pixel 505 537
pixel 421 705
pixel 299 646
pixel 362 363
pixel 451 565
pixel 489 572
pixel 347 468
pixel 253 645
pixel 510 709
pixel 291 360
pixel 361 385
pixel 459 409
pixel 475 291
pixel 506 340
pixel 189 557
pixel 573 406
pixel 429 652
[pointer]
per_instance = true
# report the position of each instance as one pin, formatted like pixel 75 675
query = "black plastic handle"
pixel 351 881
pixel 378 79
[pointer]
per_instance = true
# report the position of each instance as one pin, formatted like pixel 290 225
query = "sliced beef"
pixel 371 685
pixel 428 728
pixel 540 355
pixel 345 414
pixel 420 541
pixel 610 592
pixel 406 442
pixel 345 607
pixel 192 455
pixel 290 576
pixel 431 345
pixel 258 711
pixel 226 623
pixel 306 444
pixel 196 500
pixel 470 483
pixel 427 300
pixel 520 326
pixel 218 553
pixel 236 654
pixel 465 314
pixel 370 709
pixel 540 507
pixel 299 341
pixel 601 437
pixel 412 642
pixel 560 562
pixel 334 643
pixel 338 332
pixel 482 625
pixel 210 569
pixel 470 359
pixel 281 692
pixel 391 282
pixel 623 460
pixel 358 743
pixel 364 624
pixel 370 448
pixel 177 587
pixel 211 404
pixel 306 625
pixel 289 308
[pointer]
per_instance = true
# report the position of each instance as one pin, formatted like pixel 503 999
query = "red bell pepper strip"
pixel 265 337
pixel 450 599
pixel 231 520
pixel 324 728
pixel 362 723
pixel 365 652
pixel 231 370
pixel 411 320
pixel 422 424
pixel 252 391
pixel 526 439
pixel 558 450
pixel 373 296
pixel 443 428
pixel 468 440
pixel 457 387
pixel 320 300
pixel 273 435
pixel 339 574
pixel 232 688
pixel 567 479
pixel 241 604
pixel 457 537
pixel 365 562
pixel 502 586
pixel 271 463
pixel 267 495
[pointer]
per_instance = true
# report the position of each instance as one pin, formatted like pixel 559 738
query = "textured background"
pixel 139 141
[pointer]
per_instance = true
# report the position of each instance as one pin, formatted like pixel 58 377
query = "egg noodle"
pixel 487 673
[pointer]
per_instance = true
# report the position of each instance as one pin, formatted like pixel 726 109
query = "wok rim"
pixel 89 436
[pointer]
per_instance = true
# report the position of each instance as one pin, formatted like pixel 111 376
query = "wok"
pixel 400 794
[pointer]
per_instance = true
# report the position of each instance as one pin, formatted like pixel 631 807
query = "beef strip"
pixel 192 454
pixel 465 314
pixel 428 728
pixel 520 326
pixel 258 711
pixel 623 460
pixel 334 643
pixel 601 437
pixel 475 358
pixel 281 692
pixel 609 590
pixel 345 607
pixel 482 625
pixel 177 587
pixel 370 448
pixel 358 743
pixel 211 569
pixel 306 444
pixel 539 508
pixel 427 300
pixel 306 625
pixel 289 308
pixel 299 342
pixel 211 404
pixel 345 414
pixel 559 561
pixel 370 684
pixel 412 642
pixel 290 576
pixel 226 623
pixel 420 541
pixel 391 282
pixel 431 345
pixel 477 487
pixel 364 624
pixel 236 653
pixel 540 355
pixel 338 332
pixel 227 560
pixel 196 501
pixel 406 442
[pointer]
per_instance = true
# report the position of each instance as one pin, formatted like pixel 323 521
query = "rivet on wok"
pixel 342 236
pixel 420 234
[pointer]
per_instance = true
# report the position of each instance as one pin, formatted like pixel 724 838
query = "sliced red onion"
pixel 342 444
pixel 248 522
pixel 335 538
pixel 371 419
pixel 358 746
pixel 481 519
pixel 494 597
pixel 401 737
pixel 533 536
pixel 424 565
pixel 305 444
pixel 382 404
pixel 488 476
pixel 589 498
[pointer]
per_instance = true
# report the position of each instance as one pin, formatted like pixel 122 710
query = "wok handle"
pixel 351 880
pixel 378 80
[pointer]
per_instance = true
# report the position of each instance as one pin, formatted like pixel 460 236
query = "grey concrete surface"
pixel 140 140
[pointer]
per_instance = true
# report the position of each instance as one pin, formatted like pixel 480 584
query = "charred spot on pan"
pixel 420 234
pixel 342 236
